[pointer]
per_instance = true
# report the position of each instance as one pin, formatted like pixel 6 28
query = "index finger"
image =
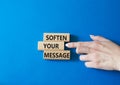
pixel 78 44
pixel 72 45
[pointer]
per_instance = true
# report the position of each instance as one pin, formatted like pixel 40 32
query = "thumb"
pixel 98 38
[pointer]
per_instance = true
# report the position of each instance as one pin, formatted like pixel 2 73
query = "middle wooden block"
pixel 50 45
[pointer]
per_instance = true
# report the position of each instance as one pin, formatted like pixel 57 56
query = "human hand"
pixel 101 53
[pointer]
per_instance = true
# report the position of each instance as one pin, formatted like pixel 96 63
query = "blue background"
pixel 22 24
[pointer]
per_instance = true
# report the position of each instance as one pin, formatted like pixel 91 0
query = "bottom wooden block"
pixel 57 55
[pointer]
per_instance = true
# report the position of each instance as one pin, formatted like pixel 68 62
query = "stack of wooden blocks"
pixel 53 46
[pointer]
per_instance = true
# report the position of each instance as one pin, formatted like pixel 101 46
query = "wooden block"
pixel 50 45
pixel 57 37
pixel 57 55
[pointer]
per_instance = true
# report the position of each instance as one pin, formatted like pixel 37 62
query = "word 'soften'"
pixel 65 37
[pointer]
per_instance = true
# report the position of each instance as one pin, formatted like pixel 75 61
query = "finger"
pixel 92 65
pixel 96 66
pixel 98 38
pixel 77 44
pixel 84 58
pixel 80 46
pixel 72 45
pixel 84 49
pixel 89 57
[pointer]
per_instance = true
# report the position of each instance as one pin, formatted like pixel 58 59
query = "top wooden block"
pixel 65 37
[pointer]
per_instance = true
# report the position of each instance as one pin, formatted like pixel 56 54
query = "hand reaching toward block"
pixel 101 53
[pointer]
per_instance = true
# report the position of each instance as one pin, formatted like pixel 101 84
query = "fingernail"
pixel 82 57
pixel 66 45
pixel 92 36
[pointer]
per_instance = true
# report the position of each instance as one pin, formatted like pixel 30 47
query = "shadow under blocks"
pixel 73 55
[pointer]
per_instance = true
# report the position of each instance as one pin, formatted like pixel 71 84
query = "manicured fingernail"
pixel 66 45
